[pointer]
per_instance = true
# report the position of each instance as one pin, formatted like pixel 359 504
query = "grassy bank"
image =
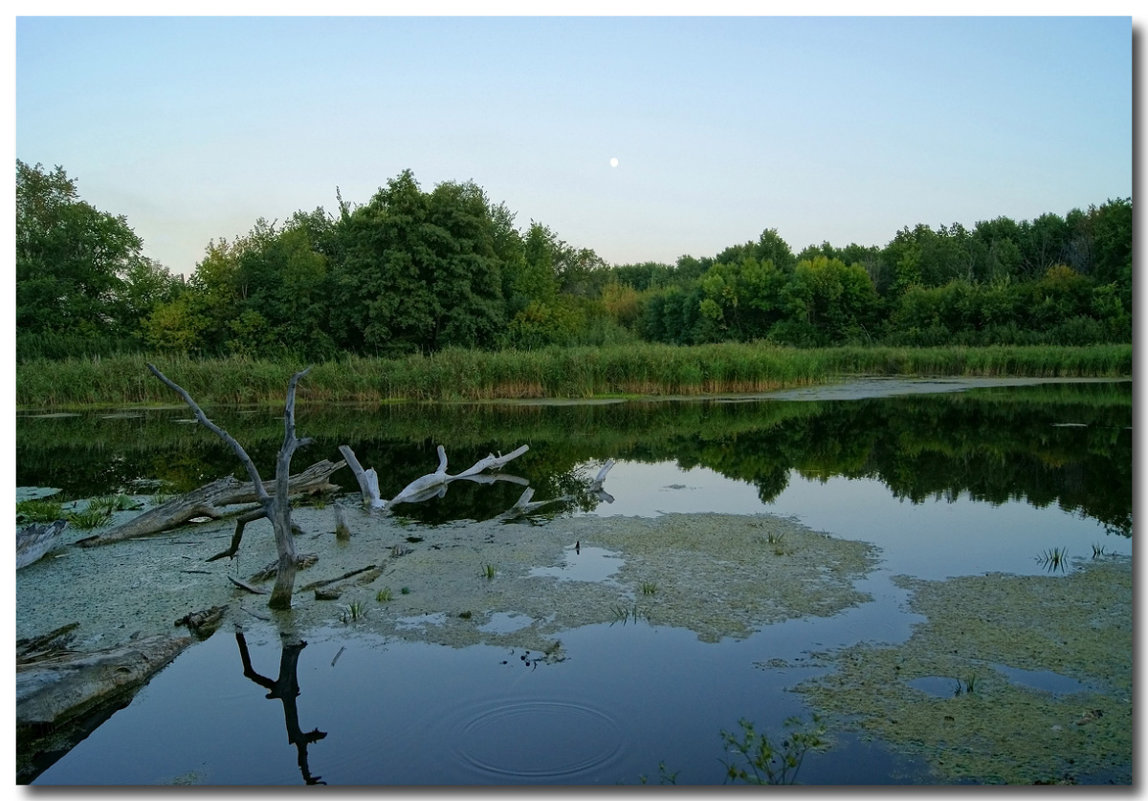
pixel 551 373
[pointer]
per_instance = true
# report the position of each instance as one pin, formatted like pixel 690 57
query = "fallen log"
pixel 60 701
pixel 207 500
pixel 35 540
pixel 204 622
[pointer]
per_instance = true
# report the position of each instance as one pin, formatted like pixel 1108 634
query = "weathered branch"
pixel 433 484
pixel 368 479
pixel 35 540
pixel 241 454
pixel 208 500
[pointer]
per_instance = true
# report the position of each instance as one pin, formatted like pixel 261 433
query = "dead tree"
pixel 277 505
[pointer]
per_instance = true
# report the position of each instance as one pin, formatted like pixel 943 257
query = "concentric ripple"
pixel 538 740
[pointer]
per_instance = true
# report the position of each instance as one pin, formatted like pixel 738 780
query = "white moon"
pixel 614 162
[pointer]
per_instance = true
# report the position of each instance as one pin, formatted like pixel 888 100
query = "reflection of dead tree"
pixel 276 506
pixel 595 487
pixel 286 688
pixel 432 484
pixel 524 506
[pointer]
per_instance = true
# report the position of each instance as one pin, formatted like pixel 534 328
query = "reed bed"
pixel 576 373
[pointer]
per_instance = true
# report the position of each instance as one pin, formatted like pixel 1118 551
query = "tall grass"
pixel 580 372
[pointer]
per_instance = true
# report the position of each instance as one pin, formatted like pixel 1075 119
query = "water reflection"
pixel 943 485
pixel 285 687
pixel 991 445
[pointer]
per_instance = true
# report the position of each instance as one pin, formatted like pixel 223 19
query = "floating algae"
pixel 718 575
pixel 989 635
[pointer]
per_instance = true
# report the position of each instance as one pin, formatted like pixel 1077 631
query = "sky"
pixel 641 138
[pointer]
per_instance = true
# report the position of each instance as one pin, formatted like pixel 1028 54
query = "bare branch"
pixel 219 432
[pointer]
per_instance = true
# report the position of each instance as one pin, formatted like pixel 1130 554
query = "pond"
pixel 813 564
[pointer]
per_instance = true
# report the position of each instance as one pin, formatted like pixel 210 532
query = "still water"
pixel 945 485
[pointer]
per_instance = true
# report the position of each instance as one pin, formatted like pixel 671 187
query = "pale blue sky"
pixel 827 129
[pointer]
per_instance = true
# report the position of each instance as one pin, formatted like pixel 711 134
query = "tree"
pixel 420 271
pixel 145 284
pixel 69 256
pixel 827 301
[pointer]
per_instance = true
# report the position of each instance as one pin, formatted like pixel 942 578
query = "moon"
pixel 614 161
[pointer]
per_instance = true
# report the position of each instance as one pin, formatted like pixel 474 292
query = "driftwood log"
pixel 208 500
pixel 35 540
pixel 432 484
pixel 62 695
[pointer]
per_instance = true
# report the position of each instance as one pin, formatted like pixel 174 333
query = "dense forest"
pixel 413 271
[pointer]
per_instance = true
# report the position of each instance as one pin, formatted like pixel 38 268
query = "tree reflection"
pixel 285 687
pixel 1068 444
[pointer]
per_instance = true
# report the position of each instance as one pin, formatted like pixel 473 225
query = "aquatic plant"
pixel 38 510
pixel 354 611
pixel 648 588
pixel 488 571
pixel 1097 551
pixel 1053 559
pixel 664 776
pixel 89 518
pixel 762 762
pixel 112 503
pixel 383 595
pixel 627 614
pixel 967 687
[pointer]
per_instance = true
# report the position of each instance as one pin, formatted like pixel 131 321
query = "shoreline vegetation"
pixel 456 374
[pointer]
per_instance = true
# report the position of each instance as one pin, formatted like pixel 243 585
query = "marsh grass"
pixel 578 372
pixel 89 518
pixel 627 614
pixel 39 510
pixel 356 610
pixel 1053 559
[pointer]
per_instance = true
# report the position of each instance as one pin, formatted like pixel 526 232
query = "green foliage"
pixel 420 272
pixel 39 510
pixel 92 517
pixel 82 285
pixel 759 761
pixel 356 610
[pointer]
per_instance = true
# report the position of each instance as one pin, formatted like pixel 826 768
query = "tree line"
pixel 418 271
